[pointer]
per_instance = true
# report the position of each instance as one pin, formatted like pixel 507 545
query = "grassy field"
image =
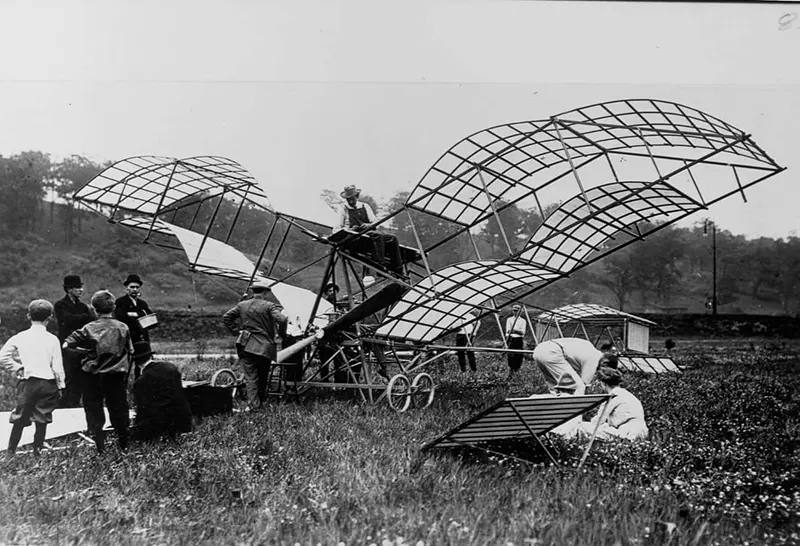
pixel 720 468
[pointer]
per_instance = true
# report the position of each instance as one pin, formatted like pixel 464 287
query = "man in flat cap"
pixel 129 308
pixel 256 321
pixel 358 216
pixel 72 314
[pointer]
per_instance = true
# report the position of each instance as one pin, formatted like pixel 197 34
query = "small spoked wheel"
pixel 422 391
pixel 398 392
pixel 224 378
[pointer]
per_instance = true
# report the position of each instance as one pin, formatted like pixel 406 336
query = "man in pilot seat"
pixel 357 216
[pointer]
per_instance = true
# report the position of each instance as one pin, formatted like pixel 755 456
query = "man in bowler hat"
pixel 129 308
pixel 72 314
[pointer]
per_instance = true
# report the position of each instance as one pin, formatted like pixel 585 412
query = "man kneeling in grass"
pixel 34 356
pixel 162 409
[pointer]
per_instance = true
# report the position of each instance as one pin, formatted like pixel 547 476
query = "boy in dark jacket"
pixel 108 347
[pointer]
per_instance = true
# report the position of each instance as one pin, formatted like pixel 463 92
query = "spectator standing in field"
pixel 257 322
pixel 71 314
pixel 130 308
pixel 464 338
pixel 162 408
pixel 358 216
pixel 106 366
pixel 34 356
pixel 622 417
pixel 515 336
pixel 569 364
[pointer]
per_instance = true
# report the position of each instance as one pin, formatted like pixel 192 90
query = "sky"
pixel 313 95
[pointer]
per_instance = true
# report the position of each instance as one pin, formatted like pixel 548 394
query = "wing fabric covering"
pixel 208 255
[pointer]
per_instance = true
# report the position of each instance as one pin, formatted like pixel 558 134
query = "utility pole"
pixel 713 263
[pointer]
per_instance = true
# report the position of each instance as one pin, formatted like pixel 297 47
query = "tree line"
pixel 671 268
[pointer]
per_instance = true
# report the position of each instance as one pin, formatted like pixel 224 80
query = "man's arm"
pixel 57 365
pixel 342 218
pixel 229 320
pixel 9 356
pixel 580 386
pixel 370 213
pixel 74 339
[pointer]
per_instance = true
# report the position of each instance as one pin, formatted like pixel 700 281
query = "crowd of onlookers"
pixel 103 350
pixel 89 363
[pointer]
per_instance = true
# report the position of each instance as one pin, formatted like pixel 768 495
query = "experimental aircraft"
pixel 600 177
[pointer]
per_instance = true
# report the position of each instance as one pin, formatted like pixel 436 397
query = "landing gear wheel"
pixel 224 378
pixel 398 392
pixel 422 391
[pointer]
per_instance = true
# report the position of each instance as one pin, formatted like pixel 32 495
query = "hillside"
pixel 103 254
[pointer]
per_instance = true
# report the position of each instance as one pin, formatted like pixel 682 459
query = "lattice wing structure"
pixel 517 160
pixel 601 177
pixel 153 184
pixel 586 312
pixel 425 312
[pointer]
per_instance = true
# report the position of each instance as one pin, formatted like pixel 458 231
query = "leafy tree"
pixel 69 176
pixel 22 188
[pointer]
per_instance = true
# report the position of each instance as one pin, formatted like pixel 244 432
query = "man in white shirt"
pixel 515 335
pixel 464 337
pixel 358 216
pixel 34 356
pixel 569 363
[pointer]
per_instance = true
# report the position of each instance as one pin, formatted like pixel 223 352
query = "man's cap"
pixel 133 278
pixel 516 307
pixel 141 349
pixel 73 281
pixel 261 285
pixel 350 191
pixel 331 285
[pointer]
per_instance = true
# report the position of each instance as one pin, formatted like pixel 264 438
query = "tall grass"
pixel 717 470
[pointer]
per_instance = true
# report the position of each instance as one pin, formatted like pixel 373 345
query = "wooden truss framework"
pixel 516 418
pixel 621 166
pixel 604 323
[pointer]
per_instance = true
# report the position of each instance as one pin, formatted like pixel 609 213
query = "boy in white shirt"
pixel 34 356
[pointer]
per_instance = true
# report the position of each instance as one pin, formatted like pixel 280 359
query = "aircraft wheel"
pixel 422 391
pixel 398 392
pixel 224 378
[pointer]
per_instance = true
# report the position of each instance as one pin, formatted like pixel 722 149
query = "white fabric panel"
pixel 638 337
pixel 218 258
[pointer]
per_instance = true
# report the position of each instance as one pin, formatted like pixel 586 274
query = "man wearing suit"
pixel 162 408
pixel 72 314
pixel 129 308
pixel 256 321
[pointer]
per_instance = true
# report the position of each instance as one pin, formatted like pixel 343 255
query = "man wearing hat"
pixel 72 314
pixel 162 408
pixel 129 308
pixel 256 321
pixel 358 216
pixel 515 335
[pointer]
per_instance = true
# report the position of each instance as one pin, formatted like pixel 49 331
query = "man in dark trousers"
pixel 256 321
pixel 129 308
pixel 71 314
pixel 358 216
pixel 162 408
